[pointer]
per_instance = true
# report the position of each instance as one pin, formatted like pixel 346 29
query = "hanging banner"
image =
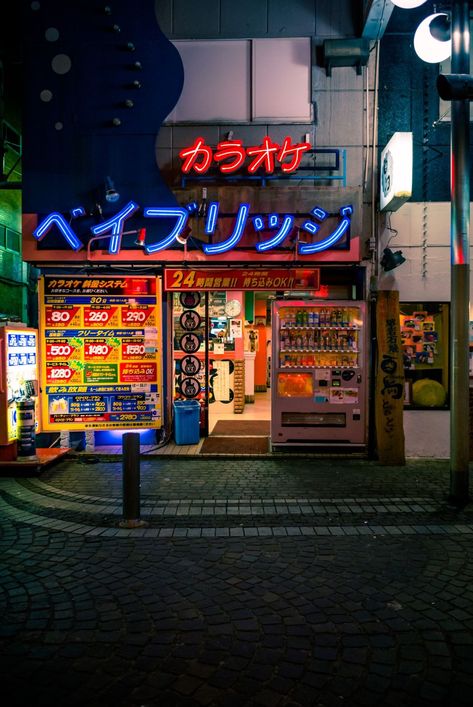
pixel 181 279
pixel 389 381
pixel 101 352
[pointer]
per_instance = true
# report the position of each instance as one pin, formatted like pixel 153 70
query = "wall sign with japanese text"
pixel 325 232
pixel 101 350
pixel 177 279
pixel 230 156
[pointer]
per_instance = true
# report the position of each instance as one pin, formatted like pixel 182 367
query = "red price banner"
pixel 95 317
pixel 60 316
pixel 135 315
pixel 59 351
pixel 133 349
pixel 137 372
pixel 96 349
pixel 58 374
pixel 176 279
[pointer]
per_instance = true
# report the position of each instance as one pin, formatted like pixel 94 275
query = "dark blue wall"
pixel 408 100
pixel 67 167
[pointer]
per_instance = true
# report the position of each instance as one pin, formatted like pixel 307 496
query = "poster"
pixel 236 328
pixel 419 338
pixel 101 352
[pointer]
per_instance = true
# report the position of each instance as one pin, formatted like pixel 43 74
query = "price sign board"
pixel 101 353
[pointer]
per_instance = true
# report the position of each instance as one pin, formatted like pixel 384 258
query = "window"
pixel 13 240
pixel 425 337
pixel 257 80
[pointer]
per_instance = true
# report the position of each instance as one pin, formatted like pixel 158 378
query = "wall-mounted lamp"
pixel 391 260
pixel 111 194
pixel 141 237
pixel 183 237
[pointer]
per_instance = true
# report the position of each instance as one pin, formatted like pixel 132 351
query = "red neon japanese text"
pixel 230 155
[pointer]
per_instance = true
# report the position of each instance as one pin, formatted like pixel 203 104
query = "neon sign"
pixel 112 228
pixel 230 155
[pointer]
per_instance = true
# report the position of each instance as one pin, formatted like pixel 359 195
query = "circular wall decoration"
pixel 190 365
pixel 190 320
pixel 189 299
pixel 190 387
pixel 189 343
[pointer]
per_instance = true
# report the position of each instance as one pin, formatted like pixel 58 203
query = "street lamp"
pixel 457 87
pixel 432 41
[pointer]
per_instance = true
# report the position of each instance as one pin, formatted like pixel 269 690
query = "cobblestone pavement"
pixel 255 582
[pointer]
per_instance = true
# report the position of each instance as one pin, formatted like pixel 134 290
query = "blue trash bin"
pixel 186 421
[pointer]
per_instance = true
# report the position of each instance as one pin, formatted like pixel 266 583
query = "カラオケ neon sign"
pixel 230 155
pixel 112 228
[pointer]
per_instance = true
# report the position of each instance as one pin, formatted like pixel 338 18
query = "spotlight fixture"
pixel 141 237
pixel 391 260
pixel 111 194
pixel 183 237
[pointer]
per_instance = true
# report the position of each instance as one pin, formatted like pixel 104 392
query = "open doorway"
pixel 228 369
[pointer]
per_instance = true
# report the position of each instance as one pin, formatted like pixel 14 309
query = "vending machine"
pixel 18 376
pixel 319 373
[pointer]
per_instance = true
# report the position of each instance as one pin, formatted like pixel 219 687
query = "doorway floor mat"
pixel 235 445
pixel 243 428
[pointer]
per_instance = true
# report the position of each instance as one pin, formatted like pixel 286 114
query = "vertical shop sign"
pixel 389 395
pixel 190 321
pixel 101 352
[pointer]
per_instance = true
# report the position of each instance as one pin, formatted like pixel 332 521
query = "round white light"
pixel 426 46
pixel 408 4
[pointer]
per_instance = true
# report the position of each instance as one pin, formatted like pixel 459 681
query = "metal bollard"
pixel 131 481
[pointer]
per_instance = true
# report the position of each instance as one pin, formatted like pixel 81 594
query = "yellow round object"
pixel 428 393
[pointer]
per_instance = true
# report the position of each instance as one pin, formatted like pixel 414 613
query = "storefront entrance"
pixel 269 370
pixel 222 359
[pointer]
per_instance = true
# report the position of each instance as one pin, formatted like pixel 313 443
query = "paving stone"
pixel 124 615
